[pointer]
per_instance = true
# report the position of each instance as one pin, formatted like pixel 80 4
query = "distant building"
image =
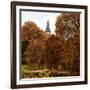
pixel 48 28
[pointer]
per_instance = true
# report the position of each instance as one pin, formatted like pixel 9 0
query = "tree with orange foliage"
pixel 54 52
pixel 34 53
pixel 31 31
pixel 68 30
pixel 67 25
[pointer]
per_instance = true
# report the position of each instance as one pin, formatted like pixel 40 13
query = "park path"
pixel 44 70
pixel 39 70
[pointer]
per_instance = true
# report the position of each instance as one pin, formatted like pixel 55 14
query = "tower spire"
pixel 48 27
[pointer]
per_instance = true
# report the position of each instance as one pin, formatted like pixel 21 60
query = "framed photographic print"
pixel 48 44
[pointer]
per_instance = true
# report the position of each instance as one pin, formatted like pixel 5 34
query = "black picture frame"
pixel 14 4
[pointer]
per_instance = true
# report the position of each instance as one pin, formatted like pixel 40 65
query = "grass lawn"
pixel 29 71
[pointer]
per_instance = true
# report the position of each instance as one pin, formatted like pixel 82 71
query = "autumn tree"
pixel 67 25
pixel 31 31
pixel 54 52
pixel 68 30
pixel 34 53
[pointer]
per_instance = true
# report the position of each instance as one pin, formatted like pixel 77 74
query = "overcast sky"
pixel 40 18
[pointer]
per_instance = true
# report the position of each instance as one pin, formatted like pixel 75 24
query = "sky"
pixel 40 18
